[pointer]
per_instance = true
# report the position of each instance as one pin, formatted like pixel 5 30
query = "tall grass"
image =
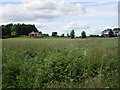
pixel 60 63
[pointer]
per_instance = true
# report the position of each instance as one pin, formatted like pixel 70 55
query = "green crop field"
pixel 59 63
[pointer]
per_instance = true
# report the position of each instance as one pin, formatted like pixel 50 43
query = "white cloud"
pixel 103 10
pixel 76 26
pixel 39 9
pixel 110 27
pixel 88 0
pixel 9 0
pixel 63 0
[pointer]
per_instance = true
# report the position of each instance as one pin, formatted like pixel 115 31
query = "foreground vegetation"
pixel 40 63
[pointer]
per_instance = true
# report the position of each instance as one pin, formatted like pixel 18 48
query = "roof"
pixel 34 33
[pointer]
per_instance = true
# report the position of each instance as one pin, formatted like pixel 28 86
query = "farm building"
pixel 38 34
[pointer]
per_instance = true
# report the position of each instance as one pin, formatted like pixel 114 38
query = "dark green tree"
pixel 83 34
pixel 68 35
pixel 6 30
pixel 54 34
pixel 14 33
pixel 23 29
pixel 116 31
pixel 47 35
pixel 17 29
pixel 63 35
pixel 110 33
pixel 72 34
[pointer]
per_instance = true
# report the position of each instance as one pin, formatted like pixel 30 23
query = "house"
pixel 36 34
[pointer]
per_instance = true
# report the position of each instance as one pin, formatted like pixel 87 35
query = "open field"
pixel 60 63
pixel 28 37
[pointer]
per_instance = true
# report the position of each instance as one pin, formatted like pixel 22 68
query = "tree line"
pixel 72 34
pixel 105 33
pixel 111 32
pixel 16 30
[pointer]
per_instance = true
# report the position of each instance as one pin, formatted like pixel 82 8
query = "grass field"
pixel 50 37
pixel 59 63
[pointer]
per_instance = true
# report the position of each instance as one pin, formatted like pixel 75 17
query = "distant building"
pixel 36 34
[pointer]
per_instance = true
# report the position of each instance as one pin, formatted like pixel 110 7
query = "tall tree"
pixel 68 35
pixel 62 35
pixel 14 31
pixel 6 30
pixel 110 33
pixel 72 34
pixel 116 31
pixel 54 34
pixel 83 34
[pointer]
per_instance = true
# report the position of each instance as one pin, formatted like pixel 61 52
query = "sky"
pixel 62 16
